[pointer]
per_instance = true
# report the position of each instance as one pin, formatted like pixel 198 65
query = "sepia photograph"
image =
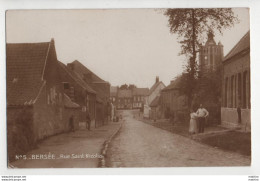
pixel 140 87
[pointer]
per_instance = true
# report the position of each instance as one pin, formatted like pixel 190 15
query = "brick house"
pixel 236 85
pixel 101 87
pixel 140 97
pixel 80 92
pixel 124 99
pixel 36 106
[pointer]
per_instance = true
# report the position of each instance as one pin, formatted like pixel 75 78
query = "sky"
pixel 130 46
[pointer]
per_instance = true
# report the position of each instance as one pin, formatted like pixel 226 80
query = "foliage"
pixel 191 25
pixel 127 87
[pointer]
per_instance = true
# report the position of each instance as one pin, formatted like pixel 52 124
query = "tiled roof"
pixel 113 91
pixel 124 93
pixel 25 64
pixel 76 78
pixel 155 86
pixel 175 84
pixel 155 102
pixel 81 70
pixel 243 44
pixel 141 91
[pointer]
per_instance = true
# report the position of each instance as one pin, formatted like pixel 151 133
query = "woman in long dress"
pixel 193 124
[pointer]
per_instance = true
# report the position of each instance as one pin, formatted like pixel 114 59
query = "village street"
pixel 79 149
pixel 141 145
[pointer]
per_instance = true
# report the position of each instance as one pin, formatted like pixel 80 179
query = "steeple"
pixel 210 40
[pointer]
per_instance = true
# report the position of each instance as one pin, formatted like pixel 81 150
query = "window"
pixel 226 92
pixel 239 90
pixel 245 89
pixel 232 90
pixel 66 85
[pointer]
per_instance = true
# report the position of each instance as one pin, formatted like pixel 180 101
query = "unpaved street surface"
pixel 141 145
pixel 79 149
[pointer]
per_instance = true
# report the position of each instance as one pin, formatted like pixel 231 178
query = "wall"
pixel 155 93
pixel 173 101
pixel 67 113
pixel 231 98
pixel 19 131
pixel 48 116
pixel 229 118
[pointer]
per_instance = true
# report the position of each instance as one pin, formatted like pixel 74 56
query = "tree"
pixel 124 87
pixel 192 25
pixel 131 86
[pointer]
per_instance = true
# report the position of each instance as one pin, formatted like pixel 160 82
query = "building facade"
pixel 36 104
pixel 172 101
pixel 236 101
pixel 155 90
pixel 140 97
pixel 124 99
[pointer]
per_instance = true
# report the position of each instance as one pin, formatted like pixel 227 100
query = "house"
pixel 80 92
pixel 124 99
pixel 101 87
pixel 140 97
pixel 36 104
pixel 155 112
pixel 154 92
pixel 113 94
pixel 236 86
pixel 172 101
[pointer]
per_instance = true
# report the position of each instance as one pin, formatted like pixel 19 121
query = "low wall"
pixel 20 135
pixel 229 118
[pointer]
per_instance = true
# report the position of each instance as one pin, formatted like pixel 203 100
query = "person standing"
pixel 193 125
pixel 88 119
pixel 202 114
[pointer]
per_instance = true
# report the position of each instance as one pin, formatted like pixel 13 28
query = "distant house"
pixel 155 112
pixel 124 99
pixel 236 85
pixel 101 87
pixel 113 94
pixel 140 97
pixel 155 90
pixel 172 101
pixel 36 104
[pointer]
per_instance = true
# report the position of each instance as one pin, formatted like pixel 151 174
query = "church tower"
pixel 210 55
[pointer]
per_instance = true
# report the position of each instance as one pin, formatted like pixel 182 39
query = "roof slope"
pixel 25 63
pixel 81 70
pixel 155 102
pixel 243 44
pixel 141 91
pixel 76 78
pixel 175 84
pixel 155 85
pixel 125 93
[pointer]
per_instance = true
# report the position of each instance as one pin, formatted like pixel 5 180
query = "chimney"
pixel 157 79
pixel 70 66
pixel 87 77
